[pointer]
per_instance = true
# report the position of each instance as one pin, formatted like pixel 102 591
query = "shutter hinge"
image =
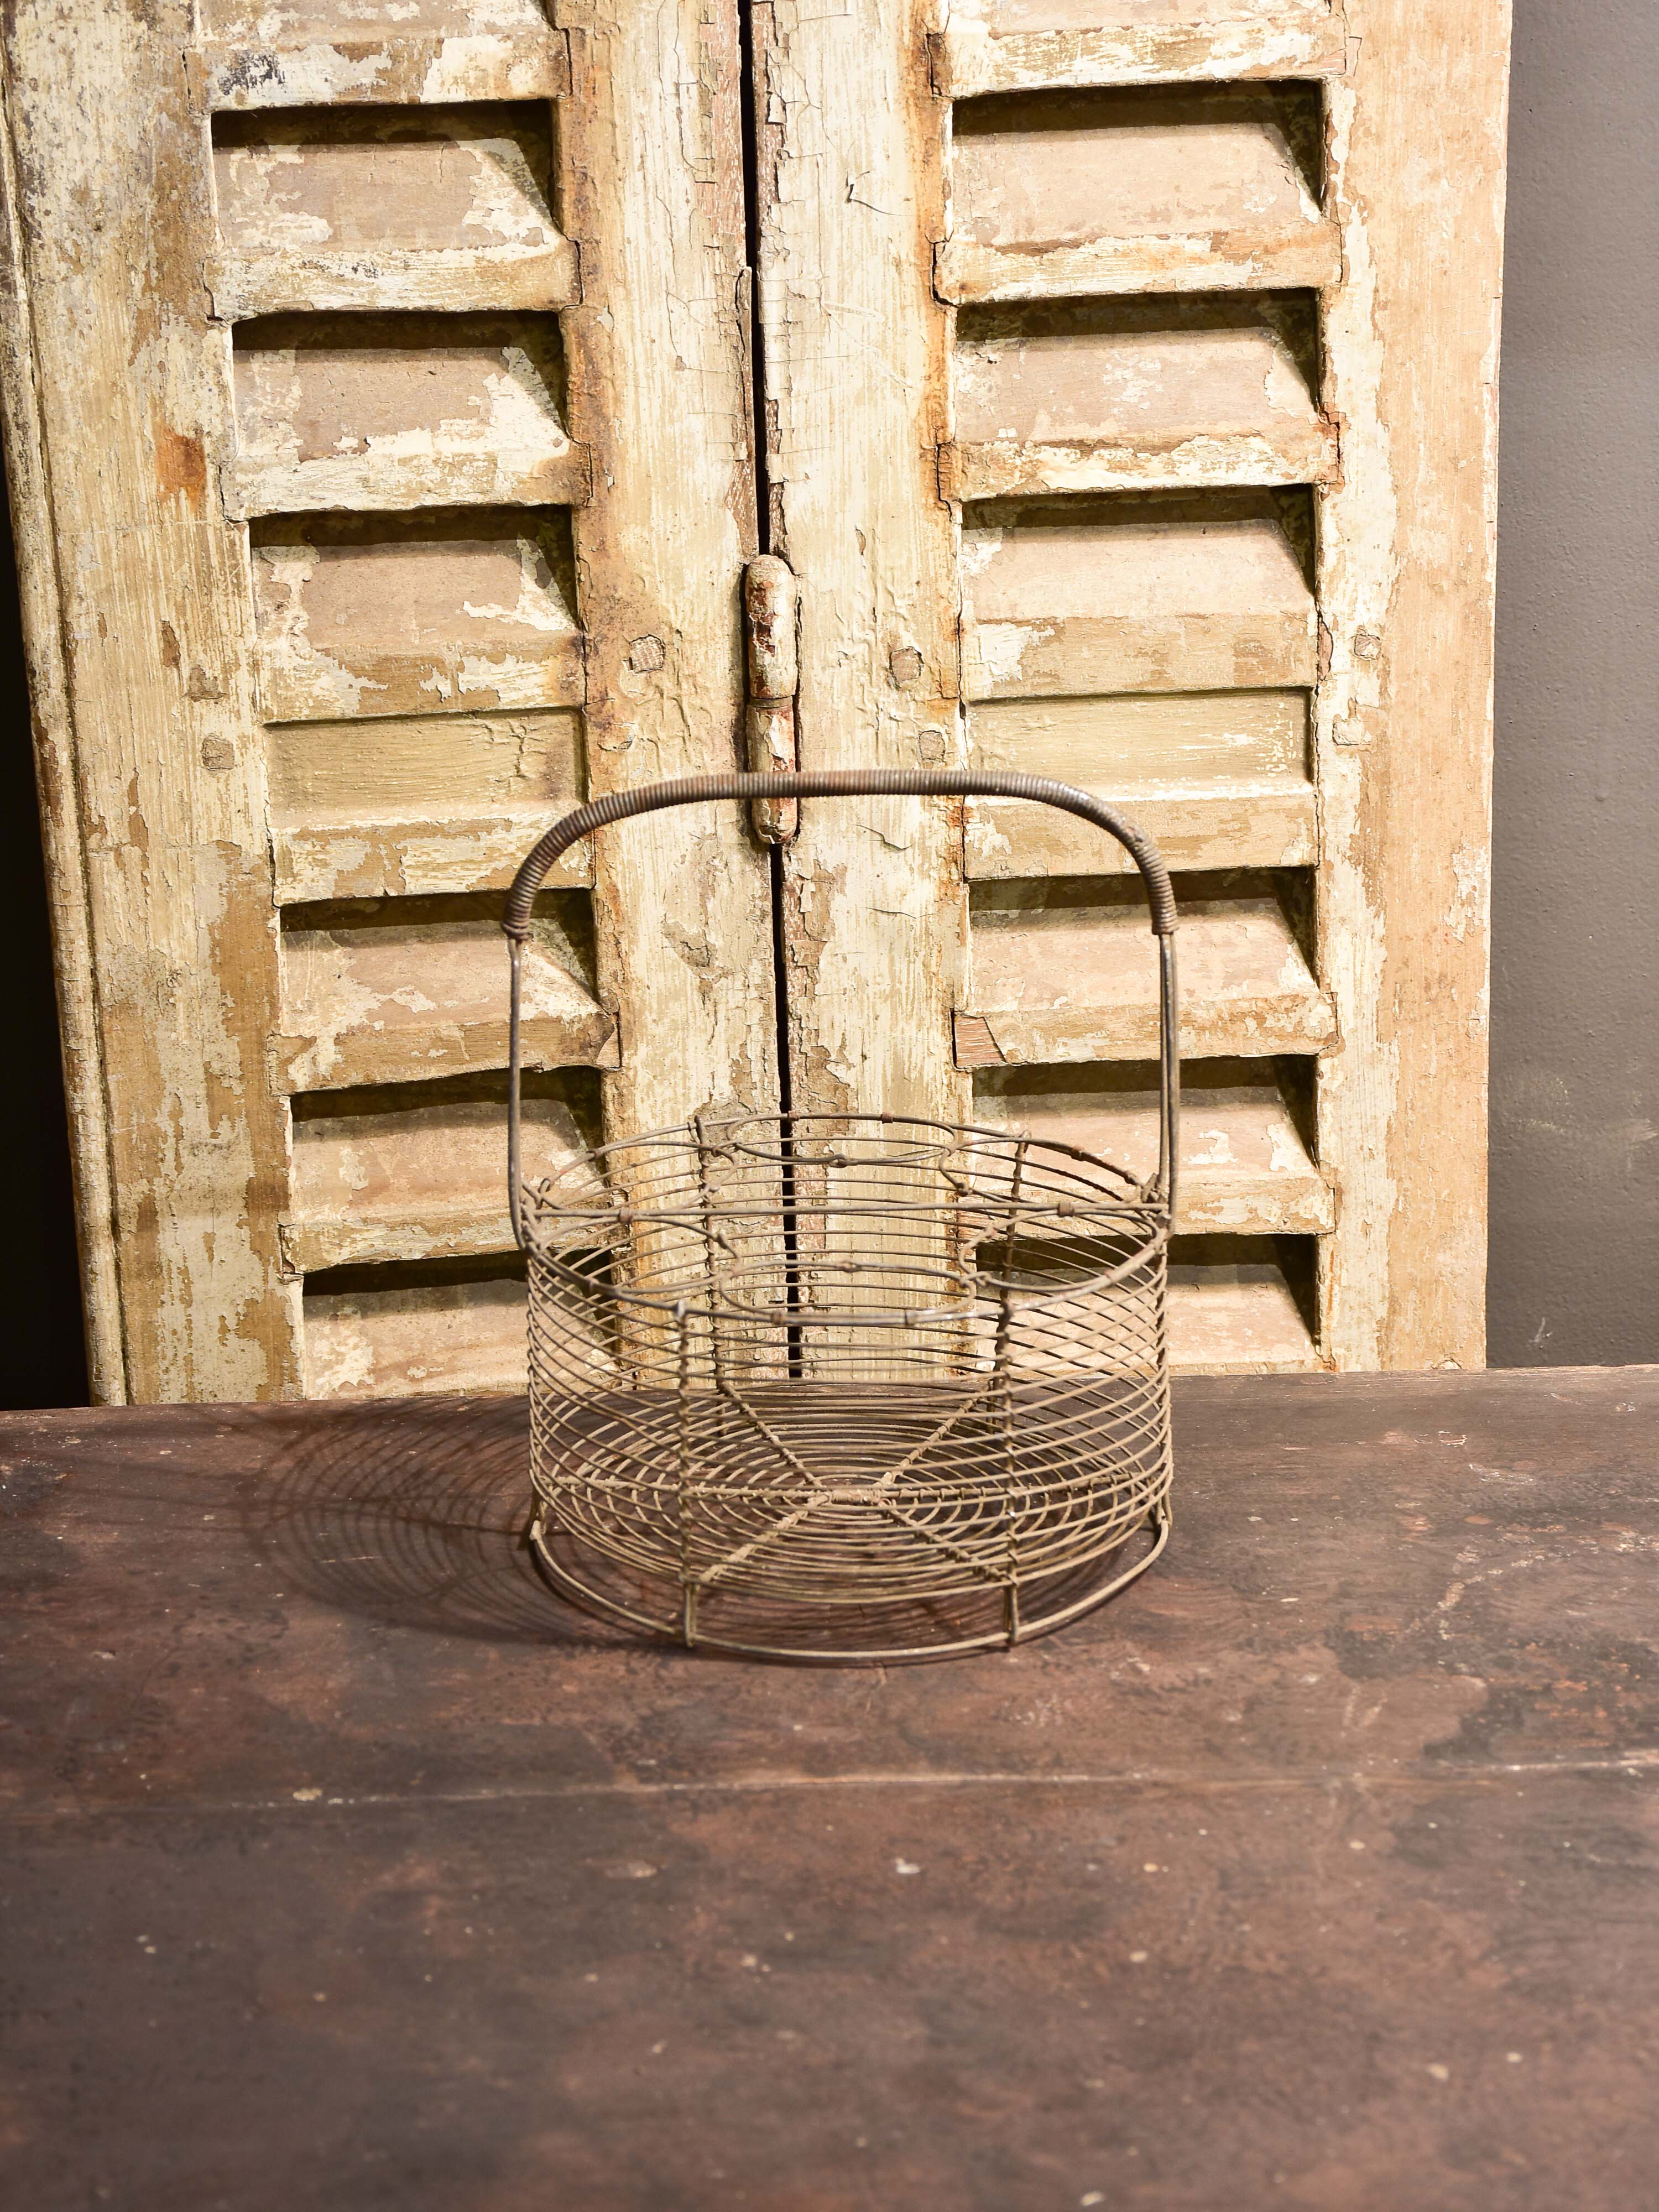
pixel 771 605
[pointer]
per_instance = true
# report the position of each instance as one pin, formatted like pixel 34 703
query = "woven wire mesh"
pixel 850 1388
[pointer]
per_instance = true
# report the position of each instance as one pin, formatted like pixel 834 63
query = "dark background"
pixel 42 1362
pixel 1574 1274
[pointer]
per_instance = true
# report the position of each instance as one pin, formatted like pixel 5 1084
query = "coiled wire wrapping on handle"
pixel 853 783
pixel 728 1395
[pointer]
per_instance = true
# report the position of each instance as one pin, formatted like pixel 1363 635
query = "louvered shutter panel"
pixel 380 431
pixel 1132 370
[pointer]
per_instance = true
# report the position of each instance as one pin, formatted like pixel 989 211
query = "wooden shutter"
pixel 379 429
pixel 1131 365
pixel 379 410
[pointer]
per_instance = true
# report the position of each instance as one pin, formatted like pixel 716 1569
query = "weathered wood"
pixel 40 605
pixel 1169 595
pixel 856 367
pixel 1047 656
pixel 114 221
pixel 403 1174
pixel 418 1340
pixel 1221 550
pixel 1404 728
pixel 417 619
pixel 1146 190
pixel 651 182
pixel 1237 1317
pixel 1155 741
pixel 393 859
pixel 1255 581
pixel 1061 972
pixel 1132 395
pixel 412 989
pixel 319 53
pixel 1244 1165
pixel 361 413
pixel 523 61
pixel 1365 1769
pixel 399 768
pixel 1218 827
pixel 390 615
pixel 416 805
pixel 1102 42
pixel 1217 779
pixel 1299 253
pixel 648 179
pixel 442 208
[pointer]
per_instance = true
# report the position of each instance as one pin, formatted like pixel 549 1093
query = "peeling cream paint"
pixel 179 900
pixel 509 443
pixel 1471 866
pixel 978 54
pixel 1401 1106
pixel 999 649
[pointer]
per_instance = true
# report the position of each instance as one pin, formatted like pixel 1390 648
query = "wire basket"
pixel 852 1386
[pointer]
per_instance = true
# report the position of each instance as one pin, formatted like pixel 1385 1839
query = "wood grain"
pixel 1404 730
pixel 856 367
pixel 1132 395
pixel 114 222
pixel 394 991
pixel 651 189
pixel 40 608
pixel 1216 779
pixel 1245 1168
pixel 1173 593
pixel 1127 397
pixel 1142 190
pixel 993 51
pixel 415 1173
pixel 329 65
pixel 417 1339
pixel 362 413
pixel 468 608
pixel 368 209
pixel 1064 972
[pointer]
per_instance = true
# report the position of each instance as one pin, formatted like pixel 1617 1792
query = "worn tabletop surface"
pixel 343 1866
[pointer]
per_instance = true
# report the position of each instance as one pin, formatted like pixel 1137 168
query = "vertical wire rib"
pixel 1005 1383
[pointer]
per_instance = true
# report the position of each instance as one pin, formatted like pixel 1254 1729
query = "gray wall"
pixel 1574 1273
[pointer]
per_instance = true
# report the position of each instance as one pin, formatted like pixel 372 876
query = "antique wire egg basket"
pixel 847 1387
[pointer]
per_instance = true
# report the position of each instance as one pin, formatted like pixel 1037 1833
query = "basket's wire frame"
pixel 669 1342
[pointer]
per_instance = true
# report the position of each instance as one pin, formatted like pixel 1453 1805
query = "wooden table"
pixel 345 1868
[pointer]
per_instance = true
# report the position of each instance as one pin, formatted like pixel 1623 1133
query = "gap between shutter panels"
pixel 1132 429
pixel 756 370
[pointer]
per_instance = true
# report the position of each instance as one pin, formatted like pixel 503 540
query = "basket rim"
pixel 1132 1193
pixel 681 1304
pixel 555 1228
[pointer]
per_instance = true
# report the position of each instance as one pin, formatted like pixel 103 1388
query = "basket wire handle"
pixel 850 783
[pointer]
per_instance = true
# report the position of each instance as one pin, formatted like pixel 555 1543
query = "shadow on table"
pixel 414 1512
pixel 411 1512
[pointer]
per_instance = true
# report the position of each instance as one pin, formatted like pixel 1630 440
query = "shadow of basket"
pixel 411 1511
pixel 414 1512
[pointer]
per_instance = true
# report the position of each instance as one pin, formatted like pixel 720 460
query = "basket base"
pixel 847 1633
